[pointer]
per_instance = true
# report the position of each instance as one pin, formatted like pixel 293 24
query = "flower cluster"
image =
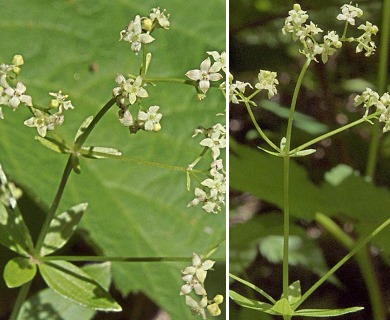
pixel 195 276
pixel 295 24
pixel 137 33
pixel 12 95
pixel 267 81
pixel 9 193
pixel 370 98
pixel 208 72
pixel 45 119
pixel 212 194
pixel 237 89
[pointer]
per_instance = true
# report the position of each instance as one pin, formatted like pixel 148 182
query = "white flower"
pixel 151 118
pixel 125 118
pixel 130 89
pixel 204 75
pixel 9 193
pixel 17 96
pixel 368 98
pixel 364 41
pixel 197 308
pixel 349 13
pixel 60 101
pixel 235 89
pixel 215 142
pixel 331 43
pixel 133 34
pixel 161 18
pixel 293 23
pixel 267 81
pixel 44 122
pixel 220 61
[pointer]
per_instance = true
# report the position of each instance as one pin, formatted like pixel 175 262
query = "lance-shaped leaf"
pixel 294 292
pixel 252 304
pixel 283 307
pixel 62 228
pixel 14 233
pixel 323 313
pixel 57 307
pixel 74 284
pixel 99 152
pixel 18 271
pixel 83 127
pixel 54 144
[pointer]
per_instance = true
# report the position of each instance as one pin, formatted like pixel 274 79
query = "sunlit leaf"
pixel 49 305
pixel 18 271
pixel 62 228
pixel 323 313
pixel 76 285
pixel 252 304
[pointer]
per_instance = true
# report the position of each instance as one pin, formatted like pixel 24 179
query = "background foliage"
pixel 134 210
pixel 331 181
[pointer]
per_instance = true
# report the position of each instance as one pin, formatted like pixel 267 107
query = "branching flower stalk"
pixel 307 34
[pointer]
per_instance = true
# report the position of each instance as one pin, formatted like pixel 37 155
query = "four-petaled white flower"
pixel 197 308
pixel 16 96
pixel 130 89
pixel 133 34
pixel 349 13
pixel 204 75
pixel 44 122
pixel 215 141
pixel 60 101
pixel 160 16
pixel 151 118
pixel 267 81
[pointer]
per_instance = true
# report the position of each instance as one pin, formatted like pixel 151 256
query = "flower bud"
pixel 157 127
pixel 218 299
pixel 17 60
pixel 147 24
pixel 54 103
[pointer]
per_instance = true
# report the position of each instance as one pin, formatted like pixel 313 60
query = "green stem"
pixel 381 85
pixel 334 132
pixel 261 133
pixel 364 261
pixel 325 277
pixel 115 259
pixel 286 179
pixel 20 300
pixel 55 204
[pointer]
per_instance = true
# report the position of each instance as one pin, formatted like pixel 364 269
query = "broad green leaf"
pixel 323 313
pixel 14 233
pixel 252 304
pixel 76 285
pixel 137 210
pixel 62 228
pixel 18 271
pixel 49 305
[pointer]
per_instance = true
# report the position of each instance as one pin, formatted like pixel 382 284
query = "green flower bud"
pixel 147 24
pixel 17 60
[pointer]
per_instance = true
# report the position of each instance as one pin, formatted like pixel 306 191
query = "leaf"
pixel 19 271
pixel 283 307
pixel 321 313
pixel 74 284
pixel 99 152
pixel 137 210
pixel 49 305
pixel 53 144
pixel 62 228
pixel 83 126
pixel 294 292
pixel 251 304
pixel 14 233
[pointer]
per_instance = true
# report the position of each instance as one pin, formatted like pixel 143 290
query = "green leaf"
pixel 49 305
pixel 19 271
pixel 14 233
pixel 76 285
pixel 137 210
pixel 251 304
pixel 83 126
pixel 99 152
pixel 294 292
pixel 321 313
pixel 62 228
pixel 53 144
pixel 283 307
